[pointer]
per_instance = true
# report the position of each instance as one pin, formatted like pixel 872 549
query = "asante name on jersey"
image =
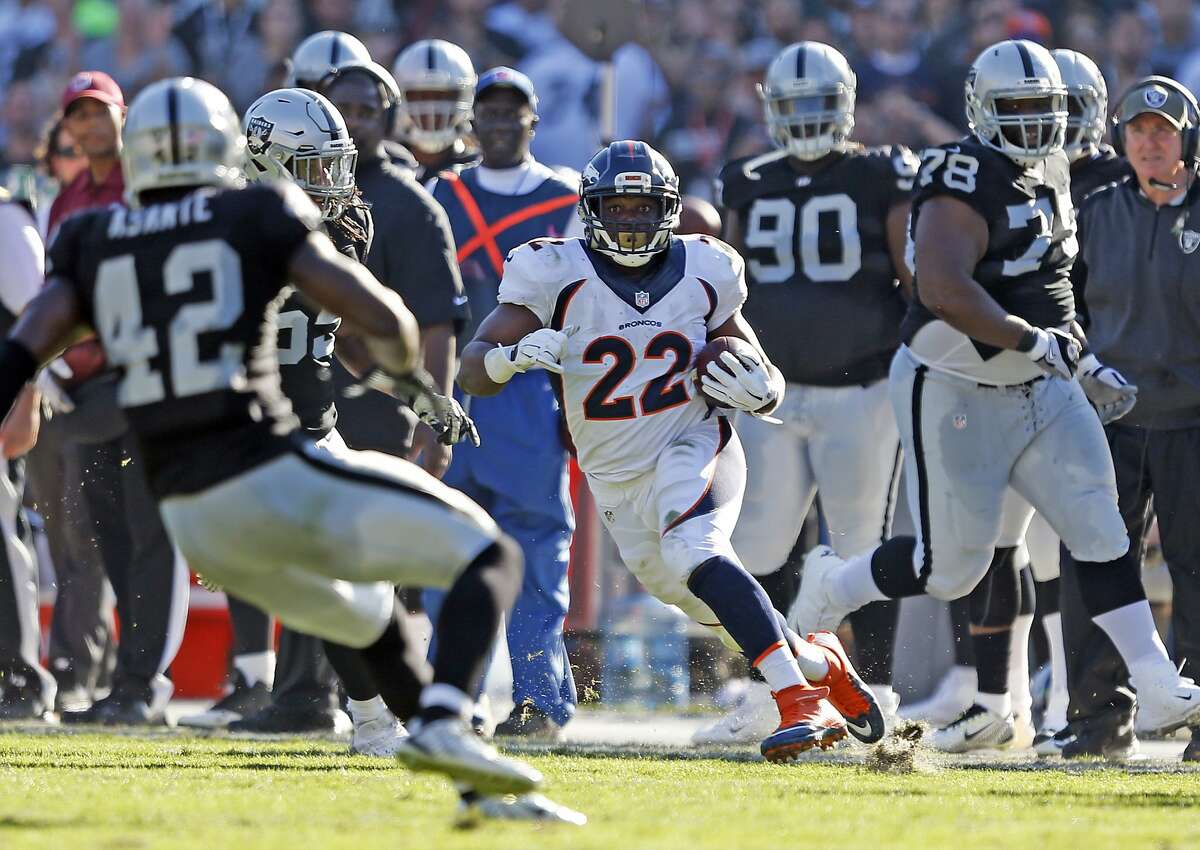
pixel 183 294
pixel 1027 263
pixel 823 294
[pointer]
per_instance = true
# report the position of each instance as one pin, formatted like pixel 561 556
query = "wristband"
pixel 1089 363
pixel 1028 341
pixel 17 368
pixel 498 364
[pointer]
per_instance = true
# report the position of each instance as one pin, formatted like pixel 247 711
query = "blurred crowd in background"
pixel 689 86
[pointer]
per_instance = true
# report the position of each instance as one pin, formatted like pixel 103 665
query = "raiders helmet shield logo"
pixel 1189 241
pixel 641 299
pixel 258 134
pixel 1154 99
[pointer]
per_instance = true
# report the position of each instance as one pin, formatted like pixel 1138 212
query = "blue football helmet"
pixel 621 169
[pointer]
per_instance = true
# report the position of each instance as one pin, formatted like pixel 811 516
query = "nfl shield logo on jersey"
pixel 642 299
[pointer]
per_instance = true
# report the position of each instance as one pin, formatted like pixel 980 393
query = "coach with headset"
pixel 1137 284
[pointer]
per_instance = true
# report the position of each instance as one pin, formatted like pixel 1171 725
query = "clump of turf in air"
pixel 899 751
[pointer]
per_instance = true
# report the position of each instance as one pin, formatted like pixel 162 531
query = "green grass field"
pixel 62 792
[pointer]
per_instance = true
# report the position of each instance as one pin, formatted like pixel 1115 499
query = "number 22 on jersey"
pixel 664 392
pixel 131 345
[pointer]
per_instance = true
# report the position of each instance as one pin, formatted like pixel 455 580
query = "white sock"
pixel 1052 625
pixel 448 697
pixel 364 711
pixel 999 703
pixel 811 659
pixel 256 667
pixel 778 666
pixel 1131 628
pixel 1018 665
pixel 853 586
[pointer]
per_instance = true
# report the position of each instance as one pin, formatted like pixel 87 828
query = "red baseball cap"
pixel 94 84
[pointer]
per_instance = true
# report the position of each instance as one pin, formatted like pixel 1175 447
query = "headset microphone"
pixel 1163 186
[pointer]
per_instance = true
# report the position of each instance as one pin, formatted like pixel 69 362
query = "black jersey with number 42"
pixel 1026 265
pixel 184 294
pixel 823 294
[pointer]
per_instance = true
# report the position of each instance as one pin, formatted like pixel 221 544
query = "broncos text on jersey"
pixel 625 386
pixel 817 259
pixel 1025 268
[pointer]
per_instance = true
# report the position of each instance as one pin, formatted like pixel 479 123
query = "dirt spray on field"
pixel 900 751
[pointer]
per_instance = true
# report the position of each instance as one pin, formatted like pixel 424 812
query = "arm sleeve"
pixel 24 267
pixel 1079 275
pixel 521 284
pixel 418 260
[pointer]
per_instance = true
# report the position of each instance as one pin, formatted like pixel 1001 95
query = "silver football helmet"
pixel 808 97
pixel 437 91
pixel 181 132
pixel 321 54
pixel 298 135
pixel 1016 101
pixel 1087 102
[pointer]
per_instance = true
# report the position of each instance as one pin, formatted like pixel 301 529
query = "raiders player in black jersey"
pixel 985 396
pixel 437 90
pixel 183 291
pixel 820 222
pixel 284 129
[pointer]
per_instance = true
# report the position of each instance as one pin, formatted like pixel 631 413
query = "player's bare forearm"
pixel 472 376
pixel 506 325
pixel 437 354
pixel 51 322
pixel 897 237
pixel 950 240
pixel 367 307
pixel 19 432
pixel 352 351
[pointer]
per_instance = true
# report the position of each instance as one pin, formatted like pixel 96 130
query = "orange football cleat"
pixel 847 691
pixel 806 721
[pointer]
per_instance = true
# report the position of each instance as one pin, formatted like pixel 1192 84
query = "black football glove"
pixel 1053 351
pixel 442 413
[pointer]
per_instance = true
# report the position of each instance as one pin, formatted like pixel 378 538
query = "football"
pixel 712 351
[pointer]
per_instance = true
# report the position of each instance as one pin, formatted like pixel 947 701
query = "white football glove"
pixel 541 349
pixel 748 388
pixel 1053 351
pixel 1106 389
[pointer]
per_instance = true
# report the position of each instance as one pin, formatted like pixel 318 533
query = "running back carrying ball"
pixel 711 353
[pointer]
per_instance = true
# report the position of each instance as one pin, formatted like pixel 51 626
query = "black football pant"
pixel 1158 471
pixel 149 581
pixel 82 637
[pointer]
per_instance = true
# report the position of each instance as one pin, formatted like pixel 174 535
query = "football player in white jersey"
pixel 618 316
